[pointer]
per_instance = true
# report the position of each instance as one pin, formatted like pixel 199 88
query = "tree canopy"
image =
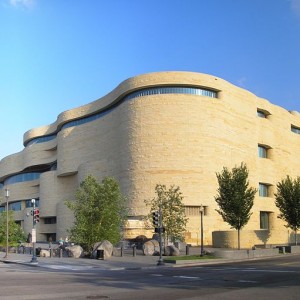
pixel 99 211
pixel 15 232
pixel 287 199
pixel 173 212
pixel 235 198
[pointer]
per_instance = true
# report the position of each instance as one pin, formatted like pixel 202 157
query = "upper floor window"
pixel 264 220
pixel 22 177
pixel 50 220
pixel 262 151
pixel 41 139
pixel 295 129
pixel 172 90
pixel 261 113
pixel 16 206
pixel 263 190
pixel 28 203
pixel 139 93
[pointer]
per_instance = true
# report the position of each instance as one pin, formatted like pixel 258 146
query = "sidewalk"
pixel 126 262
pixel 113 263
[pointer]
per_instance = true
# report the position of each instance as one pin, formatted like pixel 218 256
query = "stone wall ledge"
pixel 246 254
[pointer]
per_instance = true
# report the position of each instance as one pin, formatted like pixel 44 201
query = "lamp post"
pixel 7 197
pixel 33 234
pixel 201 209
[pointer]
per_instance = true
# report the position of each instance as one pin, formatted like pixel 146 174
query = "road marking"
pixel 187 277
pixel 73 268
pixel 158 275
pixel 247 281
pixel 269 271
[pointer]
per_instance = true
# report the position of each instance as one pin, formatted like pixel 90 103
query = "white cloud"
pixel 295 6
pixel 22 3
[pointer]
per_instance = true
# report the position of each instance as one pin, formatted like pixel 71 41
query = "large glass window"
pixel 22 177
pixel 28 203
pixel 264 220
pixel 41 139
pixel 143 92
pixel 263 190
pixel 16 206
pixel 172 90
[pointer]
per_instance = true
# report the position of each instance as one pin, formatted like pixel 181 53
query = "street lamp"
pixel 201 209
pixel 7 197
pixel 33 234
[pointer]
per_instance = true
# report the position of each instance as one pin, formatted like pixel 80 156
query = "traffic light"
pixel 36 215
pixel 155 217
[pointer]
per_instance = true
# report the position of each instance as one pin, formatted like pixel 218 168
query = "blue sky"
pixel 59 54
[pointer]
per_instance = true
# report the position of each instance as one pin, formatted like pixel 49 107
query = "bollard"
pixel 122 250
pixel 134 251
pixel 60 253
pixel 187 250
pixel 50 251
pixel 283 250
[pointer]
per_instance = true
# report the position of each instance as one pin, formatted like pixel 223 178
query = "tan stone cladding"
pixel 172 139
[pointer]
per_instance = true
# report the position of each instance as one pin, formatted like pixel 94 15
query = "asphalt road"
pixel 276 278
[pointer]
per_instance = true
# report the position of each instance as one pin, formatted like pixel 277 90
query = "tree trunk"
pixel 239 241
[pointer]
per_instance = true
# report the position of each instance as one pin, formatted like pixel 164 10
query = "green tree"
pixel 99 211
pixel 15 232
pixel 173 211
pixel 235 198
pixel 287 200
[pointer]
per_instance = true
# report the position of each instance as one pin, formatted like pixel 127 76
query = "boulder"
pixel 151 247
pixel 171 250
pixel 75 251
pixel 107 248
pixel 44 253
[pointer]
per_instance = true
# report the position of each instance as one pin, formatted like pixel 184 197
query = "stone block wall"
pixel 171 139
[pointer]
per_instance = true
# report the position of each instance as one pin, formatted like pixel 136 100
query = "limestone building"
pixel 174 128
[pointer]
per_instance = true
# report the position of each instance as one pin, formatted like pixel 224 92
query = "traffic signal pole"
pixel 33 234
pixel 160 229
pixel 158 226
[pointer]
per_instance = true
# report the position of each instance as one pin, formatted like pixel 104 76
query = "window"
pixel 50 220
pixel 194 210
pixel 295 129
pixel 261 113
pixel 28 203
pixel 264 220
pixel 22 177
pixel 140 93
pixel 263 190
pixel 16 206
pixel 2 208
pixel 262 151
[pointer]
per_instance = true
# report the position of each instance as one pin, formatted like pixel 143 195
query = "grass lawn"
pixel 189 257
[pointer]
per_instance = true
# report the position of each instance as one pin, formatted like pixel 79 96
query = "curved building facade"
pixel 174 128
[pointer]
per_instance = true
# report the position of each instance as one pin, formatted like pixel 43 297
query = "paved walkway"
pixel 128 261
pixel 113 263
